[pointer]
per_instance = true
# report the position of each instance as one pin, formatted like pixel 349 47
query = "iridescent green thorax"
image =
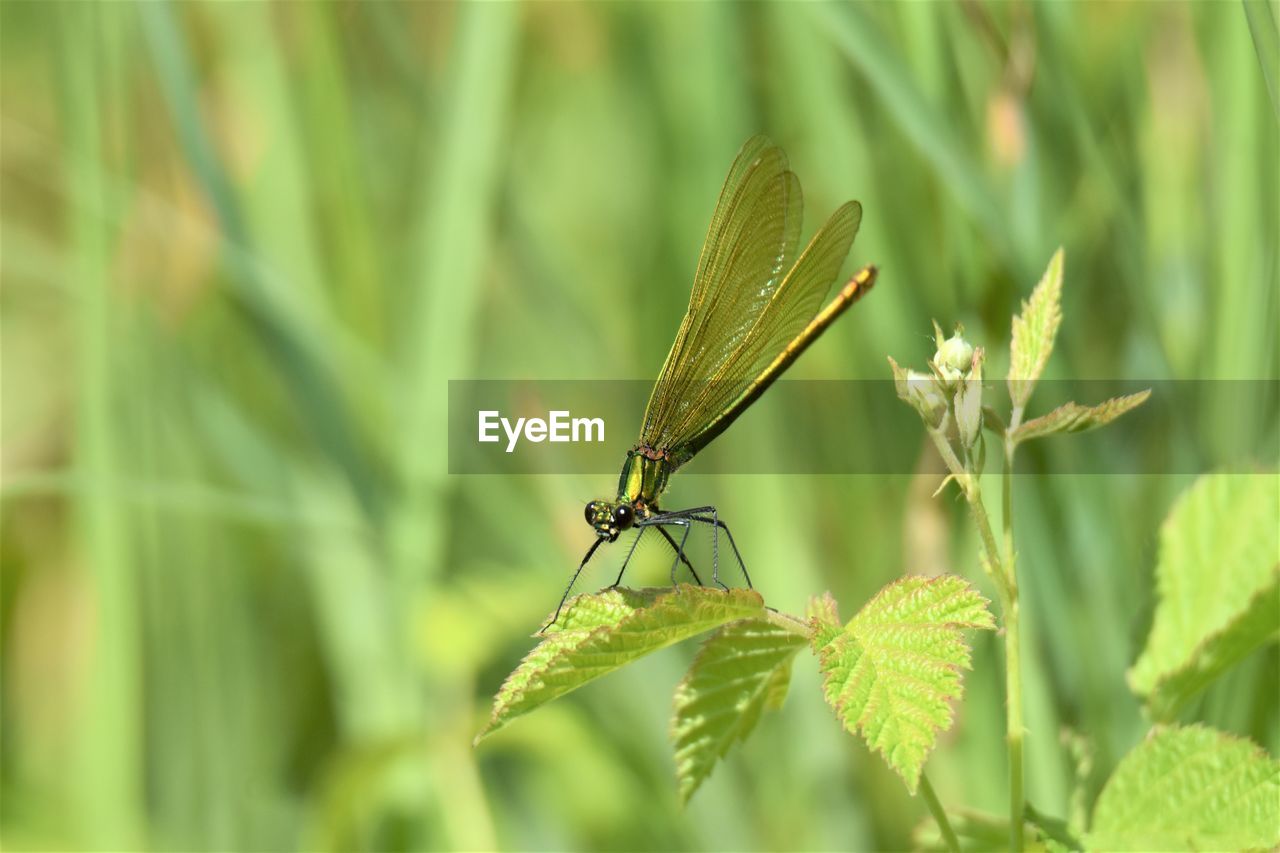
pixel 644 477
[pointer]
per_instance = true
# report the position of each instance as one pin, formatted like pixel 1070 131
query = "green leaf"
pixel 1190 788
pixel 1033 333
pixel 1218 582
pixel 892 672
pixel 741 670
pixel 1073 417
pixel 824 621
pixel 599 633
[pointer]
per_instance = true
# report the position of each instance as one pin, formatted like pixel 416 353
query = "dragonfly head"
pixel 610 519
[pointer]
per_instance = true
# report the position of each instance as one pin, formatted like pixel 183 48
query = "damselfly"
pixel 756 305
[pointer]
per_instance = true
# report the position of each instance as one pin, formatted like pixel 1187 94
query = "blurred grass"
pixel 244 606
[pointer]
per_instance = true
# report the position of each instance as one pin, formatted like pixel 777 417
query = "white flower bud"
pixel 955 354
pixel 923 393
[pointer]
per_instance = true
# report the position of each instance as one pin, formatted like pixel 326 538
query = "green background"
pixel 245 246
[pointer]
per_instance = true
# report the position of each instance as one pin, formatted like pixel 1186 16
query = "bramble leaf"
pixel 742 669
pixel 1034 331
pixel 1218 582
pixel 891 673
pixel 602 632
pixel 1190 788
pixel 824 620
pixel 1073 417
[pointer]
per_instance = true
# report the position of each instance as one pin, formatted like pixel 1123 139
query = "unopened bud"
pixel 955 354
pixel 969 410
pixel 953 359
pixel 923 393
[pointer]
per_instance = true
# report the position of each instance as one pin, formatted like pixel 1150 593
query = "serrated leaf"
pixel 824 620
pixel 893 671
pixel 1190 788
pixel 1073 417
pixel 602 632
pixel 743 669
pixel 1218 587
pixel 1034 331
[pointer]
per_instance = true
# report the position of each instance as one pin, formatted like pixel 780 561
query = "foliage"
pixel 1034 331
pixel 1218 582
pixel 742 670
pixel 1219 590
pixel 1190 788
pixel 892 673
pixel 597 634
pixel 1072 417
pixel 246 244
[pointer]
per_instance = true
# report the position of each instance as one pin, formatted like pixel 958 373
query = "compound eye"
pixel 623 516
pixel 591 512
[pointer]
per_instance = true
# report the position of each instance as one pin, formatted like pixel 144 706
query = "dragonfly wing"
pixel 751 187
pixel 750 246
pixel 710 404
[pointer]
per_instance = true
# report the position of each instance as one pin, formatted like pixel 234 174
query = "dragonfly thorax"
pixel 644 477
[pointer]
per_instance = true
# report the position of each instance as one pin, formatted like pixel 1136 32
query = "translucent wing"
pixel 760 205
pixel 719 374
pixel 793 320
pixel 750 245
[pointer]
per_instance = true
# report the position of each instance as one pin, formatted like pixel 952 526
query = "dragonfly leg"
pixel 711 516
pixel 715 550
pixel 680 550
pixel 714 520
pixel 626 562
pixel 572 581
pixel 680 554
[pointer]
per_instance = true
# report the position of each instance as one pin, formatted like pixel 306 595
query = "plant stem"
pixel 1004 580
pixel 939 815
pixel 993 565
pixel 1013 656
pixel 1013 692
pixel 1000 566
pixel 1006 483
pixel 1006 507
